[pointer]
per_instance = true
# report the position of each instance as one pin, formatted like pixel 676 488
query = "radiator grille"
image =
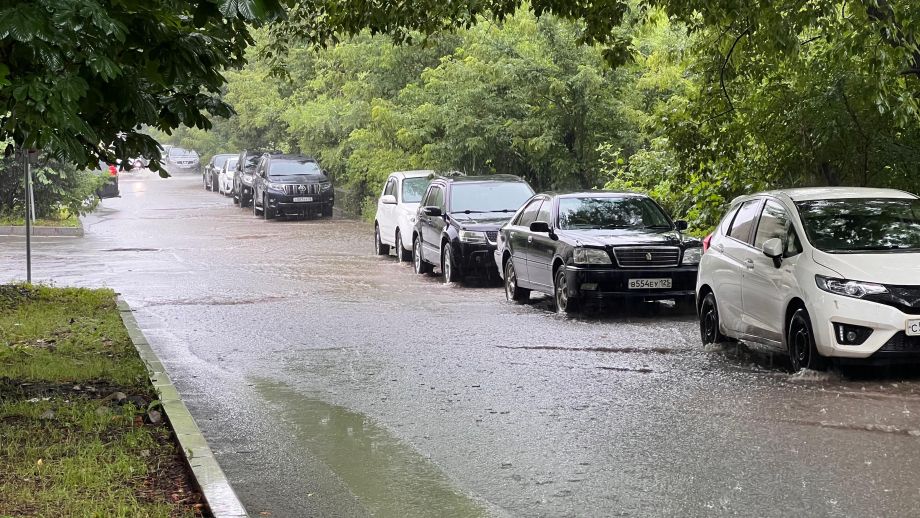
pixel 647 256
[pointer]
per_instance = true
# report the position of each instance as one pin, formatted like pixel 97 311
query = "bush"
pixel 56 187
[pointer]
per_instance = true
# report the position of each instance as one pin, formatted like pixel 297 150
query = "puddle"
pixel 622 350
pixel 387 477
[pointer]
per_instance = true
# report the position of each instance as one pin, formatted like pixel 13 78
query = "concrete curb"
pixel 7 230
pixel 214 485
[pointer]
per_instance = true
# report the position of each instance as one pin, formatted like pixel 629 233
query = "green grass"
pixel 20 221
pixel 80 461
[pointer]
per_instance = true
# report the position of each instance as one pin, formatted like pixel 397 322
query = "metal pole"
pixel 28 200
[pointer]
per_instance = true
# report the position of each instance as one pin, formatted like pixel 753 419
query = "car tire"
pixel 710 332
pixel 215 184
pixel 267 212
pixel 379 247
pixel 236 199
pixel 419 264
pixel 800 342
pixel 449 269
pixel 327 211
pixel 255 208
pixel 513 292
pixel 561 300
pixel 207 184
pixel 402 255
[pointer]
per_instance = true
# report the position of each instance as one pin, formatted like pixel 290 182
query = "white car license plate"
pixel 302 199
pixel 913 328
pixel 649 284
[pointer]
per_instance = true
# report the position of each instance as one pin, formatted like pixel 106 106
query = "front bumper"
pixel 474 257
pixel 888 342
pixel 285 205
pixel 607 282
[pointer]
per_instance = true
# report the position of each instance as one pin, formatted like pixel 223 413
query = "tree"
pixel 79 78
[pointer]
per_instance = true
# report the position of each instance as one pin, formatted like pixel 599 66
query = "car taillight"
pixel 706 241
pixel 113 171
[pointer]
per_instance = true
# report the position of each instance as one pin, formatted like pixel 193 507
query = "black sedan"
pixel 595 245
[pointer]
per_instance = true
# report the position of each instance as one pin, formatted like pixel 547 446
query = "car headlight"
pixel 472 236
pixel 247 178
pixel 591 256
pixel 693 255
pixel 276 186
pixel 848 288
pixel 325 186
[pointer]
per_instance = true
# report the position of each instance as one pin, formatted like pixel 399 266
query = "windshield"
pixel 178 151
pixel 219 161
pixel 294 167
pixel 489 196
pixel 862 224
pixel 231 164
pixel 413 189
pixel 607 212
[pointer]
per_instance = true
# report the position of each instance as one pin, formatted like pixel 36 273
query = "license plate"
pixel 303 199
pixel 649 284
pixel 913 328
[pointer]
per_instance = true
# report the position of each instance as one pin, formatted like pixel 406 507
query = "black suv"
pixel 458 221
pixel 597 244
pixel 243 175
pixel 291 185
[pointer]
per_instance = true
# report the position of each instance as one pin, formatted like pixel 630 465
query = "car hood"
pixel 886 268
pixel 487 221
pixel 618 237
pixel 305 178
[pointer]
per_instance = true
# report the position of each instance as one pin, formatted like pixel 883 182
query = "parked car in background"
pixel 396 212
pixel 225 178
pixel 210 171
pixel 139 162
pixel 242 178
pixel 179 160
pixel 816 273
pixel 595 245
pixel 458 221
pixel 110 172
pixel 291 185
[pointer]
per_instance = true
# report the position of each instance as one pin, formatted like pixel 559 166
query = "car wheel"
pixel 255 208
pixel 709 321
pixel 564 303
pixel 801 343
pixel 402 256
pixel 513 292
pixel 379 247
pixel 207 184
pixel 267 212
pixel 418 263
pixel 448 269
pixel 327 211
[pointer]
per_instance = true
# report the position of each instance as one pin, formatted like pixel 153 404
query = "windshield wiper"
pixel 467 211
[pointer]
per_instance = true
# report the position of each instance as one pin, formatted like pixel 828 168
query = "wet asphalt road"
pixel 331 382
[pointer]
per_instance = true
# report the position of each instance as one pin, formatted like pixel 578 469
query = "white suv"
pixel 816 273
pixel 396 211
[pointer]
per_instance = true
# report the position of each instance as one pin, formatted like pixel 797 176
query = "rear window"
pixel 294 167
pixel 413 189
pixel 219 161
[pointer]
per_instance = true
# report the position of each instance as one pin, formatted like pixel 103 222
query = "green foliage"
pixel 57 188
pixel 80 77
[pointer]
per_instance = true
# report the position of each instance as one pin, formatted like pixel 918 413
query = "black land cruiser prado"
pixel 291 185
pixel 458 221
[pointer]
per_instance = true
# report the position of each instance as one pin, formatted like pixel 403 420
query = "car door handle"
pixel 749 263
pixel 530 239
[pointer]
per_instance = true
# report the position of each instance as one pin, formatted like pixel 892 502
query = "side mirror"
pixel 773 248
pixel 539 226
pixel 388 199
pixel 681 225
pixel 433 211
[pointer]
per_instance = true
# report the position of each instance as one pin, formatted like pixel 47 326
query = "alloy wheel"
pixel 510 282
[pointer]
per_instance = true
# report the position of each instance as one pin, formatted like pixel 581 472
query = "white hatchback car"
pixel 816 273
pixel 396 210
pixel 225 178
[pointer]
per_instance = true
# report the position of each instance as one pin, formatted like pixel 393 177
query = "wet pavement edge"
pixel 219 494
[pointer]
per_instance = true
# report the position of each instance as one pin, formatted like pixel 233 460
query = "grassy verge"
pixel 70 221
pixel 79 433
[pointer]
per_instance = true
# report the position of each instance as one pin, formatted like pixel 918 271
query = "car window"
pixel 727 220
pixel 529 214
pixel 219 160
pixel 390 189
pixel 413 188
pixel 437 197
pixel 294 167
pixel 793 243
pixel 609 212
pixel 743 225
pixel 546 209
pixel 489 196
pixel 862 225
pixel 774 223
pixel 231 164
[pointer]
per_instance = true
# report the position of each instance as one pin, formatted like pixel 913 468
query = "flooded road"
pixel 332 382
